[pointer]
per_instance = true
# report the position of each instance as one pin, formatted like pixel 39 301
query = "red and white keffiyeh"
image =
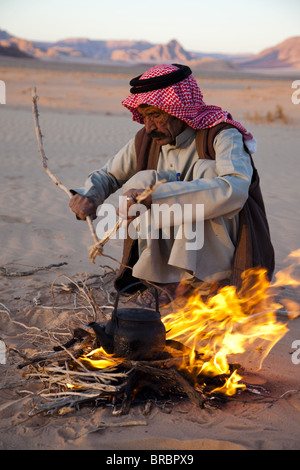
pixel 183 100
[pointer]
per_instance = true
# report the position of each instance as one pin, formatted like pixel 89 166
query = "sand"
pixel 84 124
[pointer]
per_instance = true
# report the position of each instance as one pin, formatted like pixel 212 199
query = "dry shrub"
pixel 278 115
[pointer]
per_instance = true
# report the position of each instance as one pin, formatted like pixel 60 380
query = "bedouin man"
pixel 205 157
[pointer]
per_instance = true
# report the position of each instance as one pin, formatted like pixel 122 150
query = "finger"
pixel 125 204
pixel 82 207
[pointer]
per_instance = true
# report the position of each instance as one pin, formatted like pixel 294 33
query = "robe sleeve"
pixel 103 182
pixel 221 185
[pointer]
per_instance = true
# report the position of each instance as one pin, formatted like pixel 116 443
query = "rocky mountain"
pixel 105 50
pixel 170 52
pixel 213 64
pixel 16 47
pixel 4 35
pixel 284 54
pixel 110 51
pixel 115 51
pixel 9 48
pixel 10 51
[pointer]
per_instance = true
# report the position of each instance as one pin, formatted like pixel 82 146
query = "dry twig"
pixel 148 191
pixel 97 249
pixel 39 136
pixel 6 273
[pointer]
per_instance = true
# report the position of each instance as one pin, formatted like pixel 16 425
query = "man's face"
pixel 161 126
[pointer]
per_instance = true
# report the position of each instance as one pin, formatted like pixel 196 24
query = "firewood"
pixel 193 395
pixel 128 393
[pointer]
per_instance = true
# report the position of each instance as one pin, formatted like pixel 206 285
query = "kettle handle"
pixel 131 285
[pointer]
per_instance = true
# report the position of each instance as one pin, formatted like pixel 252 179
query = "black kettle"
pixel 133 333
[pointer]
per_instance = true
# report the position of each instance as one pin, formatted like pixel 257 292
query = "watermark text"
pixel 2 92
pixel 2 352
pixel 296 94
pixel 296 354
pixel 163 221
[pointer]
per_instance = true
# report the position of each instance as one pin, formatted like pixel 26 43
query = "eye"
pixel 152 116
pixel 155 116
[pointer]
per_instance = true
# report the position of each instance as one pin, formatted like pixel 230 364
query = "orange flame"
pixel 230 323
pixel 99 359
pixel 285 276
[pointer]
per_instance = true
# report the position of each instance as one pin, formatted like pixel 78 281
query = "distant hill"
pixel 284 54
pixel 105 50
pixel 213 64
pixel 109 51
pixel 14 46
pixel 170 52
pixel 4 35
pixel 8 48
pixel 10 51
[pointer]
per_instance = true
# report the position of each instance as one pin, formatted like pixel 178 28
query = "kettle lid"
pixel 137 314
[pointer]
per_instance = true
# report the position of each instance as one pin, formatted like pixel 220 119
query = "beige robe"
pixel 221 185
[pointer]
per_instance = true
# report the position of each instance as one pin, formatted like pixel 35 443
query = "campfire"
pixel 201 357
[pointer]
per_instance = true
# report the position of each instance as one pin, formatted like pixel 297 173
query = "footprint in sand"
pixel 11 219
pixel 45 233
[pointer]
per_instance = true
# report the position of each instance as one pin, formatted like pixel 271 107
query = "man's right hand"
pixel 83 207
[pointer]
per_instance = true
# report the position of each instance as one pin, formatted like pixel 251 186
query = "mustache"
pixel 156 134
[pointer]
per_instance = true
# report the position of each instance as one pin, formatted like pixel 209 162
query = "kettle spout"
pixel 103 339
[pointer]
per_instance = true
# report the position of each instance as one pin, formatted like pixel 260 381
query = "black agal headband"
pixel 162 81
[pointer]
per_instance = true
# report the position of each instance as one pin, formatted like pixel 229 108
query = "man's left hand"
pixel 130 198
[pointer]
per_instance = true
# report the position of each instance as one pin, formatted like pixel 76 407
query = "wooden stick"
pixel 148 191
pixel 117 425
pixel 193 395
pixel 39 136
pixel 97 249
pixel 41 146
pixel 4 272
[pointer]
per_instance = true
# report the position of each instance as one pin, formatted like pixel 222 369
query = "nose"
pixel 149 124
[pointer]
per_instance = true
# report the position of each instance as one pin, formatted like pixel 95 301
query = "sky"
pixel 225 26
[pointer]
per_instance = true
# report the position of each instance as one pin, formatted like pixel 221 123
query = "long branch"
pixel 39 136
